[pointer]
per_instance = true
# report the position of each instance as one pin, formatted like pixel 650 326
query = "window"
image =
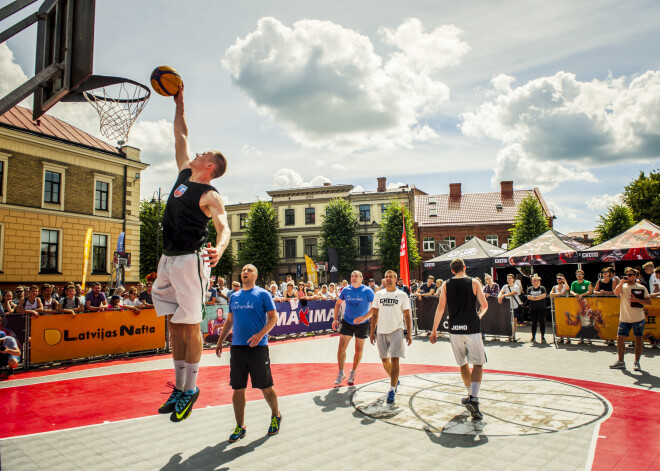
pixel 242 220
pixel 289 217
pixel 491 239
pixel 49 250
pixel 101 196
pixel 100 253
pixel 310 247
pixel 451 242
pixel 53 186
pixel 433 211
pixel 289 248
pixel 366 245
pixel 4 158
pixel 383 208
pixel 365 213
pixel 509 241
pixel 241 245
pixel 310 215
pixel 2 246
pixel 468 238
pixel 428 244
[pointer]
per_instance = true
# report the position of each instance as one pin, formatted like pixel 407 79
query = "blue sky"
pixel 561 95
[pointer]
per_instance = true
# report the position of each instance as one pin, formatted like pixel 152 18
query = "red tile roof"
pixel 21 118
pixel 471 208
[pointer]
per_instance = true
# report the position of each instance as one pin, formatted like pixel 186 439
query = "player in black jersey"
pixel 185 267
pixel 460 294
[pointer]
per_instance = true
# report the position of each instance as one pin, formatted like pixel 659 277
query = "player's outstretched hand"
pixel 254 340
pixel 212 255
pixel 433 337
pixel 178 98
pixel 218 349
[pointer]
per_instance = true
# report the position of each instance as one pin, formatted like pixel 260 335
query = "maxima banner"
pixel 294 318
pixel 65 337
pixel 598 318
pixel 496 320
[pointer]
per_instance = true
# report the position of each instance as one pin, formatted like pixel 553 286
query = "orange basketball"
pixel 165 80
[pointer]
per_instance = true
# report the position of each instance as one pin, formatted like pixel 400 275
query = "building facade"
pixel 56 182
pixel 299 212
pixel 447 221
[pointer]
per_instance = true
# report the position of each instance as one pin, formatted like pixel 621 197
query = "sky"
pixel 561 95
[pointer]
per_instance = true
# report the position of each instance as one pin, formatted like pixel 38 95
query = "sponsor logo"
pixel 181 190
pixel 501 260
pixel 333 269
pixel 590 255
pixel 54 336
pixel 389 302
pixel 461 253
pixel 459 327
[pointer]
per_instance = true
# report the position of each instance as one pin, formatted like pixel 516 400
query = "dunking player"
pixel 251 315
pixel 183 270
pixel 358 299
pixel 460 294
pixel 391 306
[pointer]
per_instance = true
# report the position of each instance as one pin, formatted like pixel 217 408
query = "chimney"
pixel 454 191
pixel 327 183
pixel 507 189
pixel 382 184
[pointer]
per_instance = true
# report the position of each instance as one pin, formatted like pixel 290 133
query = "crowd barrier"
pixel 597 318
pixel 498 319
pixel 299 317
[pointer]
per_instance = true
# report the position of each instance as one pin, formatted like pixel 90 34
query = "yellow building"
pixel 299 212
pixel 56 182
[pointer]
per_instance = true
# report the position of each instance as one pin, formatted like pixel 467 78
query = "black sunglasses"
pixel 631 274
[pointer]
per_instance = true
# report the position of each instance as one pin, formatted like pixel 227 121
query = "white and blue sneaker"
pixel 390 396
pixel 169 405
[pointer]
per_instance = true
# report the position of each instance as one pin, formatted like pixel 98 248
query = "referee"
pixel 251 315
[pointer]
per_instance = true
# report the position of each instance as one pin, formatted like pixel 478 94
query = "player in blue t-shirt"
pixel 252 315
pixel 357 298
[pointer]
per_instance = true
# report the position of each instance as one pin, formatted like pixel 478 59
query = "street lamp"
pixel 157 199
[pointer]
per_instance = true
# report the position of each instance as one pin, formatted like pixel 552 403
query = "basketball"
pixel 165 80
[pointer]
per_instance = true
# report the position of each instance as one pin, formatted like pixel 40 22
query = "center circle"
pixel 512 405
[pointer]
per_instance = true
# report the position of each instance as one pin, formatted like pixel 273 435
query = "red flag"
pixel 403 254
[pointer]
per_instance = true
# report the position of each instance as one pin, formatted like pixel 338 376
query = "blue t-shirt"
pixel 357 301
pixel 249 310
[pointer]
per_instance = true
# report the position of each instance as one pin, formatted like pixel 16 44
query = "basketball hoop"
pixel 118 101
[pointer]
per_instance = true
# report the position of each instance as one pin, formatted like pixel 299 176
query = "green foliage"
pixel 261 247
pixel 618 219
pixel 530 222
pixel 227 262
pixel 338 230
pixel 150 215
pixel 642 196
pixel 389 238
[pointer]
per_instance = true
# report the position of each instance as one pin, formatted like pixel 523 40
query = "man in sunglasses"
pixel 634 296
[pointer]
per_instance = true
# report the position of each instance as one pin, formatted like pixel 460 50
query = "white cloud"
pixel 603 202
pixel 563 211
pixel 325 85
pixel 288 178
pixel 250 150
pixel 11 74
pixel 394 186
pixel 357 189
pixel 561 119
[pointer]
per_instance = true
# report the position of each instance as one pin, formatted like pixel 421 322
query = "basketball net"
pixel 118 107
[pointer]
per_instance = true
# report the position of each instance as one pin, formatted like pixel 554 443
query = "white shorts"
pixel 180 288
pixel 391 345
pixel 468 348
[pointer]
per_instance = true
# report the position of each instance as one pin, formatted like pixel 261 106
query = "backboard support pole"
pixel 21 93
pixel 20 26
pixel 13 7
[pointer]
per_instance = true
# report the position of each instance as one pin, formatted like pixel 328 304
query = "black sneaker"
pixel 184 405
pixel 238 433
pixel 473 406
pixel 10 371
pixel 465 400
pixel 275 422
pixel 168 406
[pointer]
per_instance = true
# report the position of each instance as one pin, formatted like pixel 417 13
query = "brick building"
pixel 56 182
pixel 446 221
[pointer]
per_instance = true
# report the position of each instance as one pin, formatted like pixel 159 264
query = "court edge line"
pixel 594 439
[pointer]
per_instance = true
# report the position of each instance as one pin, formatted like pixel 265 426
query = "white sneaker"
pixel 619 365
pixel 351 378
pixel 636 366
pixel 340 378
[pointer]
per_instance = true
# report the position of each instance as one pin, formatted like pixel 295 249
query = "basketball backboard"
pixel 65 50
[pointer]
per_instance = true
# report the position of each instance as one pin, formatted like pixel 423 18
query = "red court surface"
pixel 628 439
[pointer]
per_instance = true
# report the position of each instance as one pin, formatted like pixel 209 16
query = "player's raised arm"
pixel 181 133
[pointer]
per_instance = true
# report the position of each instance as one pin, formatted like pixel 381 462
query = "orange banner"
pixel 64 337
pixel 598 318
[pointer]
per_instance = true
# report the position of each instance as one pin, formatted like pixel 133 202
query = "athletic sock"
pixel 179 374
pixel 392 388
pixel 341 372
pixel 353 371
pixel 191 376
pixel 475 390
pixel 469 390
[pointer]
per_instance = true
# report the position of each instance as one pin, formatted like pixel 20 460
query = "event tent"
pixel 550 248
pixel 640 242
pixel 477 255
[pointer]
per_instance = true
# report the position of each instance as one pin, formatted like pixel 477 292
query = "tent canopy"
pixel 476 253
pixel 640 242
pixel 550 248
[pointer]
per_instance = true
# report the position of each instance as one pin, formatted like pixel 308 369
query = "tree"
pixel 339 230
pixel 227 262
pixel 642 196
pixel 150 216
pixel 618 219
pixel 530 222
pixel 261 247
pixel 389 238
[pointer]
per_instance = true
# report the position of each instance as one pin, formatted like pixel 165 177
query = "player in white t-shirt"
pixel 389 309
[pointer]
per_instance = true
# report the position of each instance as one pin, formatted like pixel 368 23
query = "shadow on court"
pixel 643 379
pixel 212 458
pixel 449 440
pixel 334 399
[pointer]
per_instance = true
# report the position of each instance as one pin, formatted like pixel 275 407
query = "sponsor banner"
pixel 496 320
pixel 333 262
pixel 87 247
pixel 597 317
pixel 295 317
pixel 312 274
pixel 64 337
pixel 211 314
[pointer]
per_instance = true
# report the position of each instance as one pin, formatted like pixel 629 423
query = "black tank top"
pixel 462 306
pixel 184 223
pixel 605 286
